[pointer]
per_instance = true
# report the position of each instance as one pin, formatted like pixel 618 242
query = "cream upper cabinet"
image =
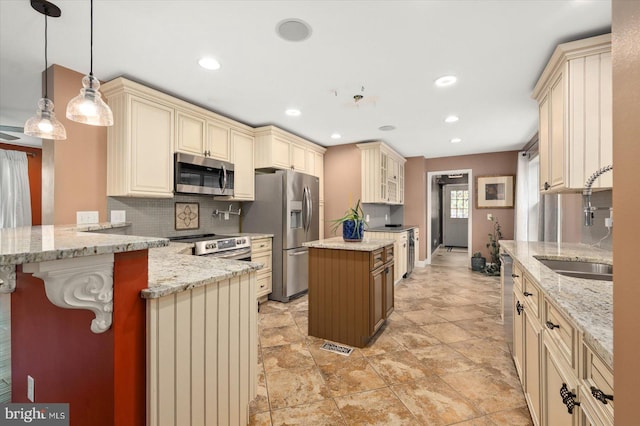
pixel 574 95
pixel 218 139
pixel 200 135
pixel 242 145
pixel 140 144
pixel 278 149
pixel 382 174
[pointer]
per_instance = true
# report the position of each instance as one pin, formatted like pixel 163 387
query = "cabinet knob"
pixel 568 398
pixel 551 325
pixel 546 186
pixel 600 396
pixel 527 294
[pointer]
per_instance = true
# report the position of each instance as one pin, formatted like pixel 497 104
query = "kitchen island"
pixel 139 319
pixel 351 289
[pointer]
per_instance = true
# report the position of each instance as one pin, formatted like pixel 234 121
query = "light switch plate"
pixel 86 217
pixel 118 216
pixel 489 216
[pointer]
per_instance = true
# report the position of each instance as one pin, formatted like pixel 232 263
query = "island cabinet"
pixel 574 102
pixel 351 289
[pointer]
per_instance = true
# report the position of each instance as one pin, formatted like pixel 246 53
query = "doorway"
pixel 449 211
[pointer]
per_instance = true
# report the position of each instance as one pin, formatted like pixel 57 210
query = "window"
pixel 460 204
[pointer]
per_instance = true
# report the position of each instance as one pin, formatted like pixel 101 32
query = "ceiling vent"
pixel 293 29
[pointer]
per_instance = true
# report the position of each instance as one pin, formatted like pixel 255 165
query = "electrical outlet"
pixel 86 217
pixel 386 217
pixel 489 216
pixel 31 384
pixel 118 216
pixel 367 218
pixel 226 215
pixel 608 222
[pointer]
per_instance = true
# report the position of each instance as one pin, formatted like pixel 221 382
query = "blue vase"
pixel 352 233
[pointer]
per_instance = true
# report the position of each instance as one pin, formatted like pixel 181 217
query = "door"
pixel 377 299
pixel 295 271
pixel 455 215
pixel 389 290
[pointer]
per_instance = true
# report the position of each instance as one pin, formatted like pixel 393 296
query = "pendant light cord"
pixel 46 62
pixel 91 67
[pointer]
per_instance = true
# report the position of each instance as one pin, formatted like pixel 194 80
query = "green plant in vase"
pixel 352 222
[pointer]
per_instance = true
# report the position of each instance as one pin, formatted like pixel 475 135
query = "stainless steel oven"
pixel 221 246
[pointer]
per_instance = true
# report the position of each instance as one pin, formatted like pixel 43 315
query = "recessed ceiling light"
pixel 446 80
pixel 451 119
pixel 387 128
pixel 292 112
pixel 209 63
pixel 293 29
pixel 336 136
pixel 456 140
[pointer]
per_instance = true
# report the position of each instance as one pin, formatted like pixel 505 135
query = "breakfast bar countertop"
pixel 337 243
pixel 588 303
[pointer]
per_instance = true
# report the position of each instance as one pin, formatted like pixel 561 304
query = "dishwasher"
pixel 506 281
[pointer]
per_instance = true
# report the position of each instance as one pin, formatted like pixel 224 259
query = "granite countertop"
pixel 589 303
pixel 391 228
pixel 173 269
pixel 32 244
pixel 337 243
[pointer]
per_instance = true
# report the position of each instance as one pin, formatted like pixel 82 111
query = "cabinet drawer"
pixel 562 332
pixel 377 258
pixel 388 253
pixel 597 375
pixel 532 296
pixel 263 285
pixel 264 259
pixel 517 276
pixel 261 245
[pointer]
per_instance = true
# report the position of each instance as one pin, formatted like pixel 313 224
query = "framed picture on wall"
pixel 495 192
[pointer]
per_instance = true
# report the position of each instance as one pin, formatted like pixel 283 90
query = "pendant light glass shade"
pixel 44 124
pixel 88 107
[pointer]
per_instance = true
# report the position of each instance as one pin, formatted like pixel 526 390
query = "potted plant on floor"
pixel 494 249
pixel 478 262
pixel 352 224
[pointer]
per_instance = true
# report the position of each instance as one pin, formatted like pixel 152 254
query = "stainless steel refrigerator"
pixel 286 205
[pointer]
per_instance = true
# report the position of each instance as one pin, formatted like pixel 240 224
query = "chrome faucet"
pixel 586 195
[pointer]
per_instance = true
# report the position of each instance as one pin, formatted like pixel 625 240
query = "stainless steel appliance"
pixel 506 278
pixel 223 246
pixel 202 175
pixel 411 252
pixel 286 205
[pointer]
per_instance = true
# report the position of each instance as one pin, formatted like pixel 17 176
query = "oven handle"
pixel 233 255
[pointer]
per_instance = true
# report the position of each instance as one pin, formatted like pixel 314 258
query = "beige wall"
pixel 342 182
pixel 626 205
pixel 74 170
pixel 498 163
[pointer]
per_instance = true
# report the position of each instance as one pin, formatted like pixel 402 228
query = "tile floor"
pixel 441 359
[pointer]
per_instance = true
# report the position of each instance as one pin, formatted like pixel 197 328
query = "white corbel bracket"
pixel 79 283
pixel 7 278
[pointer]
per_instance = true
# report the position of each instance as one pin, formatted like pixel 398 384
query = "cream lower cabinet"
pixel 563 379
pixel 261 252
pixel 416 238
pixel 140 144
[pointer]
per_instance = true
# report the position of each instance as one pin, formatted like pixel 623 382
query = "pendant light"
pixel 88 107
pixel 44 124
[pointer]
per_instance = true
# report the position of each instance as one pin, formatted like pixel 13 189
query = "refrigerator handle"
pixel 305 209
pixel 309 208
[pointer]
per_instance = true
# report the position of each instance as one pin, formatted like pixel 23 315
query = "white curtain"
pixel 522 197
pixel 15 201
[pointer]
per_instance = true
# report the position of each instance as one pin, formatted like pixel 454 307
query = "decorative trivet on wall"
pixel 187 216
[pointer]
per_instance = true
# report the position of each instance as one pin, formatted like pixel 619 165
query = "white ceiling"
pixel 394 49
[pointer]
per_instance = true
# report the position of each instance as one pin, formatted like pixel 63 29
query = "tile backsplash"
pixel 382 214
pixel 155 217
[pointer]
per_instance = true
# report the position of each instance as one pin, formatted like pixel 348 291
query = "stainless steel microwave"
pixel 202 175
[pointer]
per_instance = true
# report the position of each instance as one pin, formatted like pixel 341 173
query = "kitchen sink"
pixel 579 269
